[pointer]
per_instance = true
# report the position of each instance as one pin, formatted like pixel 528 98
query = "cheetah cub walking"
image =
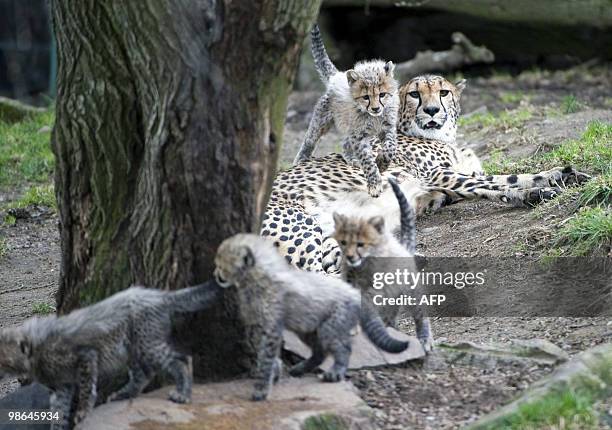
pixel 70 354
pixel 360 239
pixel 274 296
pixel 363 103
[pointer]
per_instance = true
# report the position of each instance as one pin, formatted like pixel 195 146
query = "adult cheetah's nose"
pixel 431 110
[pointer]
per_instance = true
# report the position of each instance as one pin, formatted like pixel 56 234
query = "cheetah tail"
pixel 374 328
pixel 323 64
pixel 192 299
pixel 407 219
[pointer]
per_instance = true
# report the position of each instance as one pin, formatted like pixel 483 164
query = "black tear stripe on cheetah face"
pixel 444 174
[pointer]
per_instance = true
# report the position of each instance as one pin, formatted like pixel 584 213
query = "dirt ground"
pixel 434 394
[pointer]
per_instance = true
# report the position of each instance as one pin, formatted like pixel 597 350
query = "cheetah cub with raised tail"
pixel 363 239
pixel 274 296
pixel 363 103
pixel 71 353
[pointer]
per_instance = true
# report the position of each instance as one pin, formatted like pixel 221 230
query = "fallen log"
pixel 462 53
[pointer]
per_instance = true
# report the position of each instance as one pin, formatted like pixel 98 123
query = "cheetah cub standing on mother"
pixel 363 103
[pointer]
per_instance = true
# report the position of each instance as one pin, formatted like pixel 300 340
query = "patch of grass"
pixel 42 309
pixel 598 191
pixel 589 230
pixel 504 120
pixel 592 151
pixel 328 421
pixel 498 163
pixel 498 75
pixel 25 151
pixel 41 195
pixel 570 104
pixel 511 97
pixel 9 220
pixel 564 410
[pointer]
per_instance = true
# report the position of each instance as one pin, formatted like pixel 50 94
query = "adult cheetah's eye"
pixel 444 93
pixel 343 242
pixel 414 94
pixel 360 244
pixel 366 97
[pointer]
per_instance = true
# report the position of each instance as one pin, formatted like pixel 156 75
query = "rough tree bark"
pixel 169 121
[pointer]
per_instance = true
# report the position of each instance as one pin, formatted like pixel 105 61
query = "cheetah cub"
pixel 71 353
pixel 363 103
pixel 274 296
pixel 360 239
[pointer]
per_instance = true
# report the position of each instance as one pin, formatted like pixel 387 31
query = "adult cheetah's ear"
pixel 338 219
pixel 389 67
pixel 351 76
pixel 378 223
pixel 460 86
pixel 248 259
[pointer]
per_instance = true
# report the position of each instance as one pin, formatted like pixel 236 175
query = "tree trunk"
pixel 169 121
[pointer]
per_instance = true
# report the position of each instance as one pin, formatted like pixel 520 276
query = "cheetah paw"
pixel 177 397
pixel 538 195
pixel 427 344
pixel 259 395
pixel 333 376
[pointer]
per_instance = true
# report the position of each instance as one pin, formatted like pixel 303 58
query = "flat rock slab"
pixel 539 351
pixel 365 354
pixel 294 404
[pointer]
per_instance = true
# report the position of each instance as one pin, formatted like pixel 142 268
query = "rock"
pixel 539 351
pixel 294 404
pixel 365 354
pixel 588 373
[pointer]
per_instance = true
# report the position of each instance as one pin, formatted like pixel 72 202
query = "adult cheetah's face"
pixel 429 107
pixel 14 354
pixel 357 237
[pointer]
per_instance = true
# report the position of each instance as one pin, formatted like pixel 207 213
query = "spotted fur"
pixel 274 296
pixel 431 171
pixel 70 353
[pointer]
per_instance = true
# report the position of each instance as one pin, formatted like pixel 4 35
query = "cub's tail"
pixel 192 299
pixel 321 60
pixel 374 328
pixel 407 218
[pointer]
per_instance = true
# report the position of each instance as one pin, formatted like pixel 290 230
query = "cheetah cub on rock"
pixel 363 103
pixel 274 296
pixel 360 239
pixel 70 354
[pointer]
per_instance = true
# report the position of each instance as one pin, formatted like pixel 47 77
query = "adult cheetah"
pixel 432 172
